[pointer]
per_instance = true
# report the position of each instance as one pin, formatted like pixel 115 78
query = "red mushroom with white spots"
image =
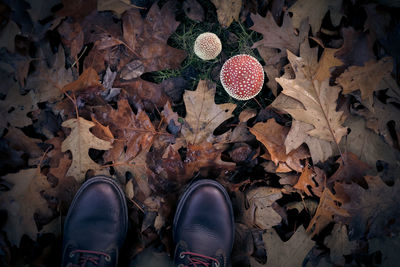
pixel 207 46
pixel 242 76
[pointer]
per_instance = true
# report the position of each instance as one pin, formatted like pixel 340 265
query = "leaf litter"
pixel 311 164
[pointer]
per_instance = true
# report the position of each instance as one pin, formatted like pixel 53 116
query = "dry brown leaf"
pixel 7 35
pixel 315 10
pixel 260 211
pixel 339 244
pixel 365 78
pixel 388 246
pixel 327 62
pixel 374 211
pixel 118 6
pixel 330 208
pixel 311 177
pixel 284 38
pixel 202 114
pixel 20 142
pixel 79 141
pixel 378 119
pixel 193 10
pixel 318 98
pixel 88 78
pixel 320 150
pixel 272 135
pixel 227 11
pixel 371 148
pixel 351 169
pixel 289 253
pixel 22 202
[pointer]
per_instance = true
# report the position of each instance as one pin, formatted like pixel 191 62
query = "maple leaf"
pixel 365 78
pixel 339 244
pixel 227 11
pixel 318 98
pixel 330 208
pixel 260 211
pixel 22 202
pixel 79 141
pixel 315 10
pixel 288 253
pixel 203 116
pixel 283 38
pixel 374 211
pixel 272 136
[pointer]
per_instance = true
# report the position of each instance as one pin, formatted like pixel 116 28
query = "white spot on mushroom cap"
pixel 242 77
pixel 207 46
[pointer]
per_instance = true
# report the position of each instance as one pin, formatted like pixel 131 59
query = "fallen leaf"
pixel 374 211
pixel 315 10
pixel 20 142
pixel 320 150
pixel 203 116
pixel 379 118
pixel 227 11
pixel 46 83
pixel 307 204
pixel 288 253
pixel 118 6
pixel 22 202
pixel 365 78
pixel 330 208
pixel 79 141
pixel 370 148
pixel 260 212
pixel 272 135
pixel 283 38
pixel 351 169
pixel 318 98
pixel 314 178
pixel 241 132
pixel 339 244
pixel 87 79
pixel 7 35
pixel 193 10
pixel 72 36
pixel 388 246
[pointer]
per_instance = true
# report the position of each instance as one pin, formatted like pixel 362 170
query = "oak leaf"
pixel 330 208
pixel 88 78
pixel 374 211
pixel 320 150
pixel 272 135
pixel 288 253
pixel 79 141
pixel 203 116
pixel 339 244
pixel 22 202
pixel 318 98
pixel 227 11
pixel 118 6
pixel 365 78
pixel 311 181
pixel 282 38
pixel 315 10
pixel 388 246
pixel 260 211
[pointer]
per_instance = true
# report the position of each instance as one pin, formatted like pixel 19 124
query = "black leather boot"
pixel 203 228
pixel 96 224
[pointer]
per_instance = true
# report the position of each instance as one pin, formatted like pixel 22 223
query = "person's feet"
pixel 203 227
pixel 96 224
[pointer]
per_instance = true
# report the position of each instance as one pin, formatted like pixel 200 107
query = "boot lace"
pixel 88 256
pixel 196 259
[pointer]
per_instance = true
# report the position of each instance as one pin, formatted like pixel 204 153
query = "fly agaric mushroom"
pixel 242 77
pixel 207 46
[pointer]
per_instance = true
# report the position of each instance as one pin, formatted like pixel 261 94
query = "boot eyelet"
pixel 107 258
pixel 181 255
pixel 216 264
pixel 71 254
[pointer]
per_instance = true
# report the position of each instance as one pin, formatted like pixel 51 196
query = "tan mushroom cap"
pixel 207 46
pixel 242 77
